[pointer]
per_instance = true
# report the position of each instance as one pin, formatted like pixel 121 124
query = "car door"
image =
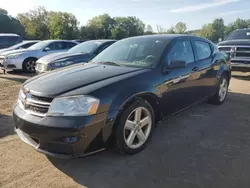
pixel 177 84
pixel 53 48
pixel 206 68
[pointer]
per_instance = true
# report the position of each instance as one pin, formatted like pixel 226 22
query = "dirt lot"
pixel 206 146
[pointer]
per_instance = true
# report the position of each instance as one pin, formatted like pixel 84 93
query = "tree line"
pixel 42 24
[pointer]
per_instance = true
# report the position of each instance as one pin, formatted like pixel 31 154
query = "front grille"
pixel 33 104
pixel 42 99
pixel 242 54
pixel 242 49
pixel 239 52
pixel 225 49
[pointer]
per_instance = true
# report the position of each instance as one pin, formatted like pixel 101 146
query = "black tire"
pixel 120 143
pixel 29 65
pixel 216 99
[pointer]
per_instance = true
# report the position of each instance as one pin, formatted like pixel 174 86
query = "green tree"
pixel 35 23
pixel 127 27
pixel 180 28
pixel 149 30
pixel 171 30
pixel 10 24
pixel 208 32
pixel 100 27
pixel 161 29
pixel 213 31
pixel 219 27
pixel 63 25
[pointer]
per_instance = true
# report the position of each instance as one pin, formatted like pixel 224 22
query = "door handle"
pixel 195 69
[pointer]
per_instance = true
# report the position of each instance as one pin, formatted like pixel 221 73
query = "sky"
pixel 166 13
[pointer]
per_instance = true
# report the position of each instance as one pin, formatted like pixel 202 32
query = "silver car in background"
pixel 23 45
pixel 25 59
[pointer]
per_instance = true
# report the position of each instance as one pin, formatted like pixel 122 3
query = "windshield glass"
pixel 240 34
pixel 39 45
pixel 85 47
pixel 135 52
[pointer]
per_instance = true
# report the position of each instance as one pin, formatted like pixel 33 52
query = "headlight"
pixel 61 63
pixel 73 106
pixel 13 56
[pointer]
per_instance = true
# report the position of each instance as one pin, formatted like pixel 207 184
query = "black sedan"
pixel 81 53
pixel 117 98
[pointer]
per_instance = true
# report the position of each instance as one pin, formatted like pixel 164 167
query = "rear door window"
pixel 56 46
pixel 28 45
pixel 203 50
pixel 68 45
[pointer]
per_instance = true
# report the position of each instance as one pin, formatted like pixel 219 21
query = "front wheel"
pixel 135 127
pixel 29 65
pixel 221 94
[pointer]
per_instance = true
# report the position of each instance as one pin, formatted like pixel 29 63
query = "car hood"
pixel 234 42
pixel 16 51
pixel 4 50
pixel 60 56
pixel 67 79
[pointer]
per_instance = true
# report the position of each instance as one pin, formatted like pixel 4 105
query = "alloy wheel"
pixel 223 89
pixel 30 66
pixel 137 127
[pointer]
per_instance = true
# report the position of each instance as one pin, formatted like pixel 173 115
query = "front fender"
pixel 126 95
pixel 224 69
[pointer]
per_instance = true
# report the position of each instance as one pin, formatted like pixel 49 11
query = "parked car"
pixel 25 59
pixel 118 97
pixel 9 39
pixel 23 45
pixel 237 45
pixel 79 54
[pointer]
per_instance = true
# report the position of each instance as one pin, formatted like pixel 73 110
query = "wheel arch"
pixel 224 70
pixel 28 58
pixel 150 97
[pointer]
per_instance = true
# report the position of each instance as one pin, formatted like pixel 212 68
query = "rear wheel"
pixel 29 65
pixel 221 94
pixel 135 127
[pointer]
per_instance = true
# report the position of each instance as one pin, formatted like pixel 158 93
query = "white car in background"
pixel 23 45
pixel 25 59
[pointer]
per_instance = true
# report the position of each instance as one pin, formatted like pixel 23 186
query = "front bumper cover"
pixel 47 135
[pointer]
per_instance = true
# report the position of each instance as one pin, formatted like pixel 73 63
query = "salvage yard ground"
pixel 206 146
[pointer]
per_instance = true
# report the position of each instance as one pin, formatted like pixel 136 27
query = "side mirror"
pixel 46 49
pixel 220 39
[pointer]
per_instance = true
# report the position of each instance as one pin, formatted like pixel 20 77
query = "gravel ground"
pixel 205 146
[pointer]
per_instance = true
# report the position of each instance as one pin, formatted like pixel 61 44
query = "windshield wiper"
pixel 110 63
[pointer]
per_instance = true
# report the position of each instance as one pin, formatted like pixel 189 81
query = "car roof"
pixel 246 29
pixel 27 41
pixel 169 37
pixel 8 35
pixel 102 40
pixel 59 41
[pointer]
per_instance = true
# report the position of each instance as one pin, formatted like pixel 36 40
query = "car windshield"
pixel 135 52
pixel 85 47
pixel 240 34
pixel 39 45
